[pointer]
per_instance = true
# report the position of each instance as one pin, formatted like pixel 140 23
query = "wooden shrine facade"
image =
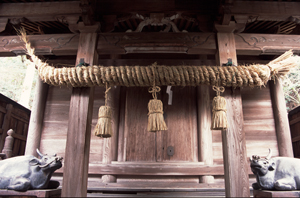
pixel 110 34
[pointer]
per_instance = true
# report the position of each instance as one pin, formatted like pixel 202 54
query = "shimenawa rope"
pixel 230 76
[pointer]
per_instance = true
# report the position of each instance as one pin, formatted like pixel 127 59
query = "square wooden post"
pixel 233 138
pixel 79 128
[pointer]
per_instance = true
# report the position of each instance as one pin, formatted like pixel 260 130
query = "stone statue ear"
pixel 272 166
pixel 34 162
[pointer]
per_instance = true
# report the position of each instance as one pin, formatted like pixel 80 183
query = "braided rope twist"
pixel 254 75
pixel 227 76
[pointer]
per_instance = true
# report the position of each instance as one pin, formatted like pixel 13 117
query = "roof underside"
pixel 186 15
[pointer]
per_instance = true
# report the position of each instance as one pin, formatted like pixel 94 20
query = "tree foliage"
pixel 291 88
pixel 12 75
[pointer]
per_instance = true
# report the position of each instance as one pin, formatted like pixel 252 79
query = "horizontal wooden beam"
pixel 20 137
pixel 294 121
pixel 51 44
pixel 265 10
pixel 273 44
pixel 154 169
pixel 38 9
pixel 125 43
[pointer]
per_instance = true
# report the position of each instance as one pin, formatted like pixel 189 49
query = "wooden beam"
pixel 79 127
pixel 282 126
pixel 257 44
pixel 294 121
pixel 266 10
pixel 157 169
pixel 53 44
pixel 233 138
pixel 191 43
pixel 122 43
pixel 16 10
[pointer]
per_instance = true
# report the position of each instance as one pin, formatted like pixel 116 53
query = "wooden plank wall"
pixel 294 119
pixel 53 139
pixel 137 146
pixel 16 117
pixel 180 118
pixel 259 124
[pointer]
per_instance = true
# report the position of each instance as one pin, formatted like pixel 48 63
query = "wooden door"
pixel 180 118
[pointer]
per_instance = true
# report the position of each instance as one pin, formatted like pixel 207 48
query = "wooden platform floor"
pixel 200 193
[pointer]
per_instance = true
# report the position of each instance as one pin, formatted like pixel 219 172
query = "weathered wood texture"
pixel 259 130
pixel 79 125
pixel 281 119
pixel 16 117
pixel 39 9
pixel 204 131
pixel 262 10
pixel 110 145
pixel 233 138
pixel 54 135
pixel 180 118
pixel 269 11
pixel 122 43
pixel 155 169
pixel 259 124
pixel 294 121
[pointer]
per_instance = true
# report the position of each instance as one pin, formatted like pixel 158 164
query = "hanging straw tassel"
pixel 103 128
pixel 219 118
pixel 156 120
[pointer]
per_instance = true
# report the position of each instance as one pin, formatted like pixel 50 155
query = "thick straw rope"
pixel 229 76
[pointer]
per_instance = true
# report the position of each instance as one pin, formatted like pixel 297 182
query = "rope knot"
pixel 154 90
pixel 218 89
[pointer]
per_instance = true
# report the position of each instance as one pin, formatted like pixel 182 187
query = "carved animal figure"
pixel 278 173
pixel 28 172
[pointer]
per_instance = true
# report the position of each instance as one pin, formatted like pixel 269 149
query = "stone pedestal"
pixel 266 193
pixel 31 193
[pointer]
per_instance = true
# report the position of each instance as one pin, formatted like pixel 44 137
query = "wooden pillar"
pixel 282 126
pixel 233 139
pixel 80 117
pixel 122 136
pixel 36 118
pixel 110 145
pixel 204 131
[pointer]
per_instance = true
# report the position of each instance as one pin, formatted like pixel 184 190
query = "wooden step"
pixel 208 193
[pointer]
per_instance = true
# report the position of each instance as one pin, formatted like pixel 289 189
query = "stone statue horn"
pixel 269 155
pixel 39 153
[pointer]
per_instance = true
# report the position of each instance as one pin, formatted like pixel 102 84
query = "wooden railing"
pixel 16 117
